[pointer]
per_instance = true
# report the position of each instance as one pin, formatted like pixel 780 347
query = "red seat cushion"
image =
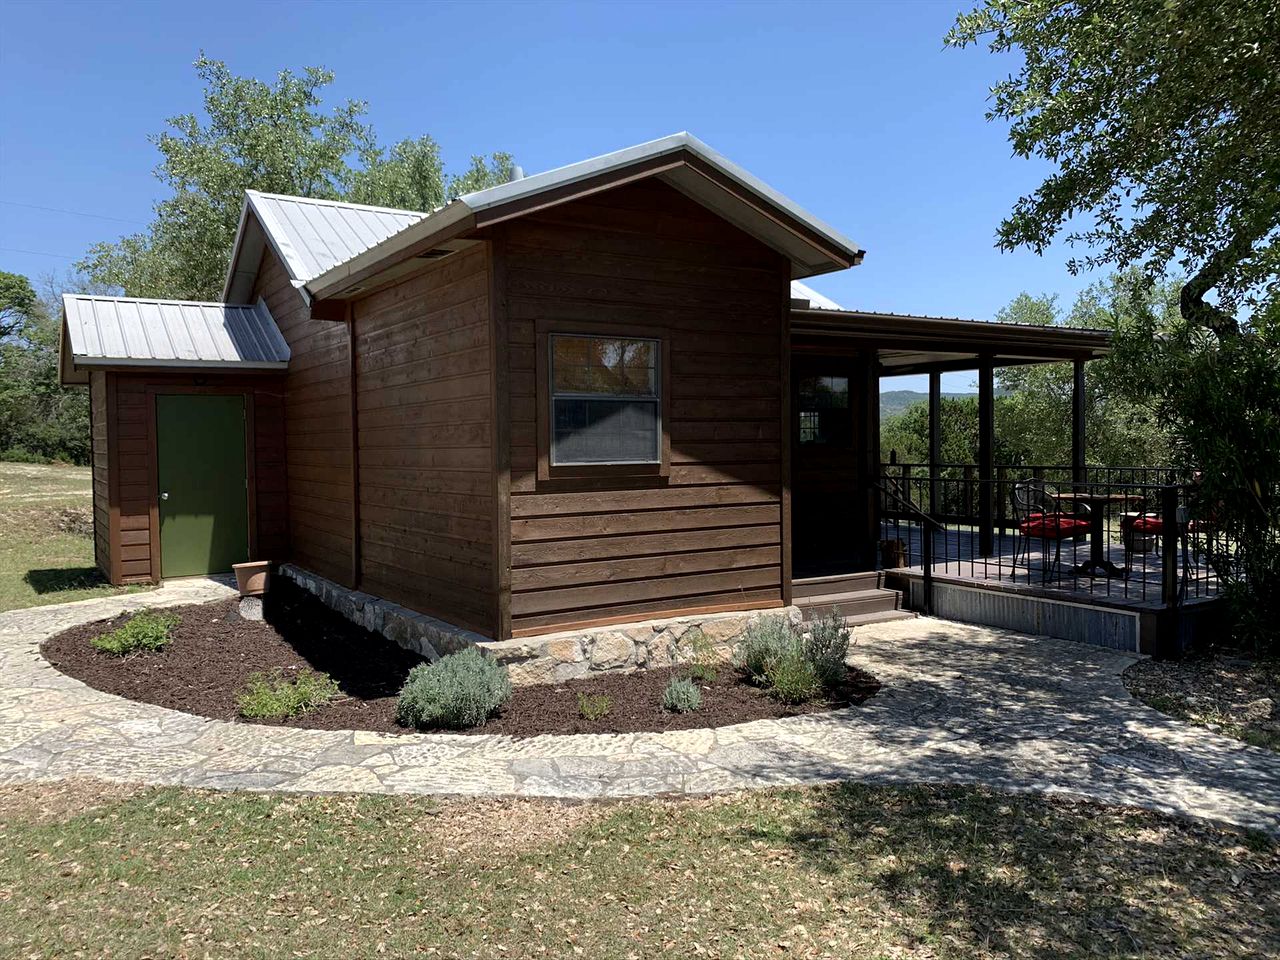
pixel 1149 525
pixel 1054 526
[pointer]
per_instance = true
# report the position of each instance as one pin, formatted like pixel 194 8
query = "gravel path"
pixel 960 704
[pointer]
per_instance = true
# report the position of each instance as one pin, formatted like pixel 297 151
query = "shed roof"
pixel 328 246
pixel 133 332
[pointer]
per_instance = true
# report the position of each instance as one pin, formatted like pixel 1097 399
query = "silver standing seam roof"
pixel 321 242
pixel 129 332
pixel 313 236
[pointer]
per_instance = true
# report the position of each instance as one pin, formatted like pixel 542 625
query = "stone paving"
pixel 960 704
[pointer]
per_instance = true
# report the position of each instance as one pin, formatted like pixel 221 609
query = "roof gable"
pixel 329 248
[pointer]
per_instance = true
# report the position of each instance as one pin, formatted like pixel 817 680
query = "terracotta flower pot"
pixel 252 578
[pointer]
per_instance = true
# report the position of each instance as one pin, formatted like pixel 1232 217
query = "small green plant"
pixel 792 667
pixel 146 630
pixel 594 706
pixel 792 679
pixel 456 692
pixel 765 641
pixel 826 649
pixel 703 672
pixel 276 695
pixel 681 696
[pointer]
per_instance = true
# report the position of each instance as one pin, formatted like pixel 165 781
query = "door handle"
pixel 164 495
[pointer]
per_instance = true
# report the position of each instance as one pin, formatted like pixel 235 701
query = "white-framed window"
pixel 606 399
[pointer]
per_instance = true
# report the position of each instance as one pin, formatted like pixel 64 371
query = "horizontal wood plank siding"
pixel 708 536
pixel 424 420
pixel 314 475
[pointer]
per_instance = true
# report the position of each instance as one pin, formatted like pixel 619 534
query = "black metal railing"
pixel 1143 541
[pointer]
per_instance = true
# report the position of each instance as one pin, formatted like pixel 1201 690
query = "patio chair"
pixel 1037 516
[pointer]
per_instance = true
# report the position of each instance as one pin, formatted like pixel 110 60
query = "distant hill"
pixel 895 401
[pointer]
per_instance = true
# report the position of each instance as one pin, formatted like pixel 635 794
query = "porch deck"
pixel 1119 612
pixel 957 557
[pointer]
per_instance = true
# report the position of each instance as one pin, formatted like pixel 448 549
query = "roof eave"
pixel 116 363
pixel 436 227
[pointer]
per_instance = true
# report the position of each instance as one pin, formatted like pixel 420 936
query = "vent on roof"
pixel 435 254
pixel 517 173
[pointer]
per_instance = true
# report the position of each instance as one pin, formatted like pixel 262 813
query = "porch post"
pixel 1078 469
pixel 869 373
pixel 935 438
pixel 986 454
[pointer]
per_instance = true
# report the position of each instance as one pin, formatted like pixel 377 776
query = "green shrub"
pixel 792 679
pixel 703 672
pixel 792 667
pixel 594 706
pixel 456 692
pixel 274 695
pixel 146 630
pixel 681 696
pixel 826 649
pixel 22 455
pixel 766 641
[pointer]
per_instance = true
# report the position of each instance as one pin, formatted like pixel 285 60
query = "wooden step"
pixel 850 604
pixel 880 616
pixel 839 583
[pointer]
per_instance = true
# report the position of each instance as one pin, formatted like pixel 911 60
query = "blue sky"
pixel 853 109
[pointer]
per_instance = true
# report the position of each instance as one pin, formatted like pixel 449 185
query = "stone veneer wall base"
pixel 552 657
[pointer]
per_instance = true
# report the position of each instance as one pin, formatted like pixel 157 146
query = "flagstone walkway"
pixel 959 704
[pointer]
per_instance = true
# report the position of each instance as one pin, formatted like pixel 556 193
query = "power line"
pixel 74 213
pixel 37 253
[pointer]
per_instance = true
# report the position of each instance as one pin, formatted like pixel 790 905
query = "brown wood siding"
pixel 425 424
pixel 101 472
pixel 709 536
pixel 136 535
pixel 317 430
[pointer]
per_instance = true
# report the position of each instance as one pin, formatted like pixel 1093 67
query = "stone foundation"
pixel 553 657
pixel 424 635
pixel 556 657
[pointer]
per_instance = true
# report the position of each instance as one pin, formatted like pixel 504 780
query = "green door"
pixel 204 508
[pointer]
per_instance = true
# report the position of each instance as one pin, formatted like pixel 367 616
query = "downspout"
pixel 355 445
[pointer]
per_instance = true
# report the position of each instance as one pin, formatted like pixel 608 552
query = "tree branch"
pixel 1191 302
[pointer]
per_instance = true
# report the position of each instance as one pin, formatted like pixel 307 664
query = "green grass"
pixel 276 696
pixel 46 551
pixel 858 871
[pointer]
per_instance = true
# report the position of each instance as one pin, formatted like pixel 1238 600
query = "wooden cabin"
pixel 585 397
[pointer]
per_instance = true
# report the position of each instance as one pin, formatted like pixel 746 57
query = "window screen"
pixel 824 411
pixel 605 400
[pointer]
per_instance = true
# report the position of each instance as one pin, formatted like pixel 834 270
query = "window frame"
pixel 545 413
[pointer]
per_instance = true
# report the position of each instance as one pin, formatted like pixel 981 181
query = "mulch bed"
pixel 214 650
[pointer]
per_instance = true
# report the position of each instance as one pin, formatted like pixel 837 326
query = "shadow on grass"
pixel 59 579
pixel 1042 878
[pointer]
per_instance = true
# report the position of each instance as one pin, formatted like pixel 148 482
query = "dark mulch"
pixel 214 650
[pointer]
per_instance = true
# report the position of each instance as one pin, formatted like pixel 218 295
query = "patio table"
pixel 1097 565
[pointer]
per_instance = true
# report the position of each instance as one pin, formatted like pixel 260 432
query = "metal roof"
pixel 325 242
pixel 313 236
pixel 129 332
pixel 802 291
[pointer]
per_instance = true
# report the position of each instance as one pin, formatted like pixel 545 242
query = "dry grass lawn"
pixel 854 871
pixel 46 536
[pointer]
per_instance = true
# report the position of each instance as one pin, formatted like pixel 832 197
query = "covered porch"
pixel 963 553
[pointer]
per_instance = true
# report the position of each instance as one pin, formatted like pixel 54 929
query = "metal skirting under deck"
pixel 1027 613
